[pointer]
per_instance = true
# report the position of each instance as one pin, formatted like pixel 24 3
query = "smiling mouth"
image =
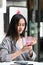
pixel 20 30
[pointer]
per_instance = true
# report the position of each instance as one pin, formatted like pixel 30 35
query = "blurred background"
pixel 33 12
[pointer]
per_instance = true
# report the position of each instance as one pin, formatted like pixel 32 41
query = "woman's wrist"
pixel 31 53
pixel 21 50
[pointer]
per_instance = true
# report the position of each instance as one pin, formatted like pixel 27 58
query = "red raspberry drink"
pixel 28 40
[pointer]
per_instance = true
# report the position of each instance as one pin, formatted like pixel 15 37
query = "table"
pixel 19 63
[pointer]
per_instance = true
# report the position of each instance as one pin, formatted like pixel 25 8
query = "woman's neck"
pixel 19 37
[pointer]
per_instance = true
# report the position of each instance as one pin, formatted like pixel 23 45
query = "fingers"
pixel 31 40
pixel 34 40
pixel 28 47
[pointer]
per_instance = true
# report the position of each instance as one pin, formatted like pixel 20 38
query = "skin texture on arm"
pixel 21 51
pixel 16 54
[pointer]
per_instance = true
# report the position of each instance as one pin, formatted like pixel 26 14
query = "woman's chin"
pixel 20 33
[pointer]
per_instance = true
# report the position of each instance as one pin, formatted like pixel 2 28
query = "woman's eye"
pixel 21 24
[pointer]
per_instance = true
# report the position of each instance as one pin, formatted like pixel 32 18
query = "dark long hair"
pixel 12 31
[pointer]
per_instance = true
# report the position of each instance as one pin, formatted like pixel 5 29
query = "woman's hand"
pixel 26 48
pixel 34 40
pixel 31 40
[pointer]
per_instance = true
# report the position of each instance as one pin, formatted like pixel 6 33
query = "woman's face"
pixel 21 26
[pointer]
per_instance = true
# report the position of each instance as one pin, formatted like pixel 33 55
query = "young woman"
pixel 14 46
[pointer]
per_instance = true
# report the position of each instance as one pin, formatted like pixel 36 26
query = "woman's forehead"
pixel 21 21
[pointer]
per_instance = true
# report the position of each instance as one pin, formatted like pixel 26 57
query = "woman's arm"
pixel 16 54
pixel 5 56
pixel 32 55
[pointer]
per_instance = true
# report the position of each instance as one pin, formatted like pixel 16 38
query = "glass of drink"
pixel 28 40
